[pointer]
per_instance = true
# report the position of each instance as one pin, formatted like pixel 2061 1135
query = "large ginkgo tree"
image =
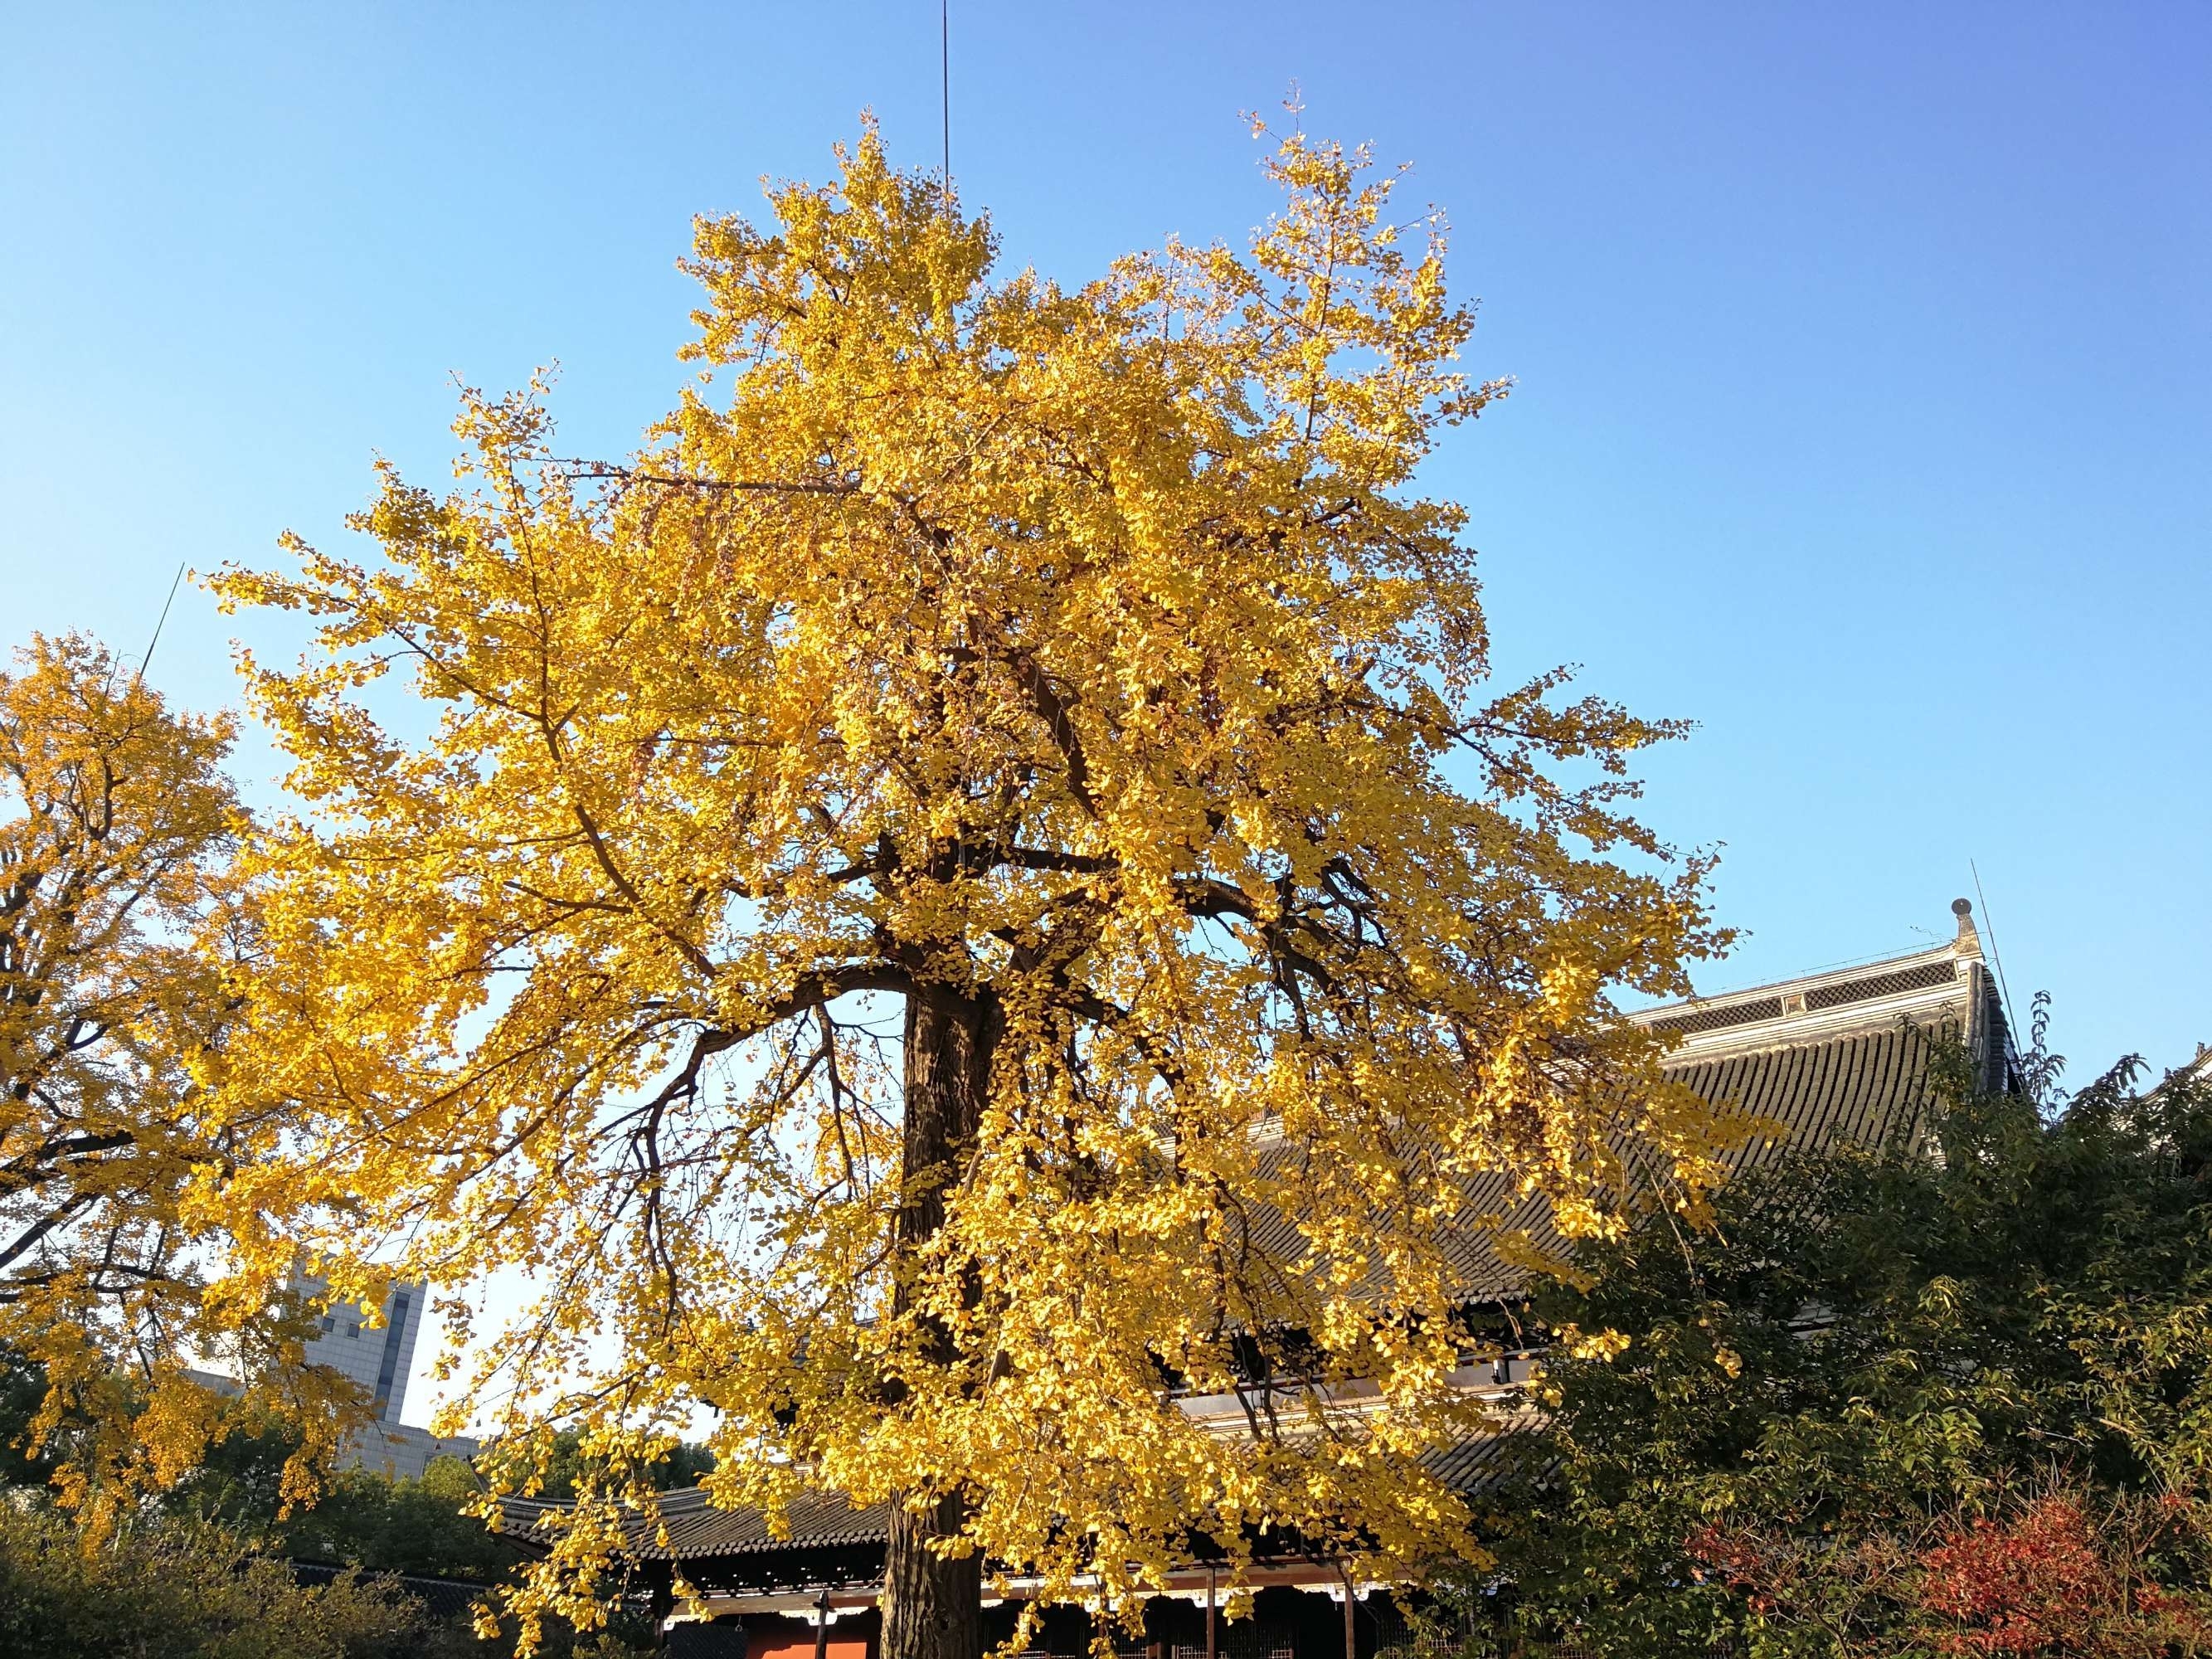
pixel 976 882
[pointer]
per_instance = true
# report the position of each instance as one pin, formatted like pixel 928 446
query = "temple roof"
pixel 1947 985
pixel 1839 1054
pixel 695 1528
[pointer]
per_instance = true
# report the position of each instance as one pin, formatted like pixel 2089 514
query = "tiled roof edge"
pixel 1931 985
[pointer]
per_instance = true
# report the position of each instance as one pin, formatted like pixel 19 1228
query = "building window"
pixel 388 1373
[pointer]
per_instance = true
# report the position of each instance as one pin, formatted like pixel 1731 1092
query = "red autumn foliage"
pixel 2056 1576
pixel 2028 1586
pixel 1732 1557
pixel 2045 1581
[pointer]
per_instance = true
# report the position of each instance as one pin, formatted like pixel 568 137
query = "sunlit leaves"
pixel 1083 655
pixel 123 931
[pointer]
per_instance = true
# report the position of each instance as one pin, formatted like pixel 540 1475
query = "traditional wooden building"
pixel 1839 1054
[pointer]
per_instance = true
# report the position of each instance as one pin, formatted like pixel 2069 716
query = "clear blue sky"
pixel 1864 356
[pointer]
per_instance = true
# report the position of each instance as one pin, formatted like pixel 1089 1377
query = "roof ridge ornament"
pixel 1969 942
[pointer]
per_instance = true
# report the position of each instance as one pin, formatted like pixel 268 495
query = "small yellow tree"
pixel 122 926
pixel 937 904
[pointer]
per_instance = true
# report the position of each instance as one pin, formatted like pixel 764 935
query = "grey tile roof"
pixel 697 1529
pixel 445 1598
pixel 1870 1086
pixel 1473 1464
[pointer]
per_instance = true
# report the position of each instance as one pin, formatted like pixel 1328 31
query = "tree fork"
pixel 933 1602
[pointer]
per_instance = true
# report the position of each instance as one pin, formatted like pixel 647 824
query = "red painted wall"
pixel 787 1644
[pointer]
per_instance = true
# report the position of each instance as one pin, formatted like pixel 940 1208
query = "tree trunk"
pixel 933 1605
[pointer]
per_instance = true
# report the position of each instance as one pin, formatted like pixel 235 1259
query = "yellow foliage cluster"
pixel 123 932
pixel 978 876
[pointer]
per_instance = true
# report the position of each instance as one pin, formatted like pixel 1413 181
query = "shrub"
pixel 181 1591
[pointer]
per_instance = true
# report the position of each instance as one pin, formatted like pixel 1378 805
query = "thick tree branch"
pixel 573 467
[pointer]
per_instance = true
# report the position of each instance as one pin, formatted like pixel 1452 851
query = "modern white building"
pixel 380 1356
pixel 377 1357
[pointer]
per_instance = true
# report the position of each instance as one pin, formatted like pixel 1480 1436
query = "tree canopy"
pixel 979 878
pixel 364 1518
pixel 157 1587
pixel 1945 1397
pixel 123 930
pixel 184 1593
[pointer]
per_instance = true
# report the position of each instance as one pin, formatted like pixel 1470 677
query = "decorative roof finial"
pixel 1969 942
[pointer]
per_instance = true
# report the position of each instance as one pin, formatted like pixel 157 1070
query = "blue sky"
pixel 1864 356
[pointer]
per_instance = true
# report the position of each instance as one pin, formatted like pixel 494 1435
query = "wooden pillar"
pixel 1212 1573
pixel 1351 1613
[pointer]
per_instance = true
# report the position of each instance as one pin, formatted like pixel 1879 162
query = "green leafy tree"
pixel 182 1592
pixel 358 1517
pixel 23 1393
pixel 161 1586
pixel 367 1519
pixel 1885 1372
pixel 570 1466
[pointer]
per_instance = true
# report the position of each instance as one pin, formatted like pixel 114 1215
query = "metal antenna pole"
pixel 147 661
pixel 1996 957
pixel 945 87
